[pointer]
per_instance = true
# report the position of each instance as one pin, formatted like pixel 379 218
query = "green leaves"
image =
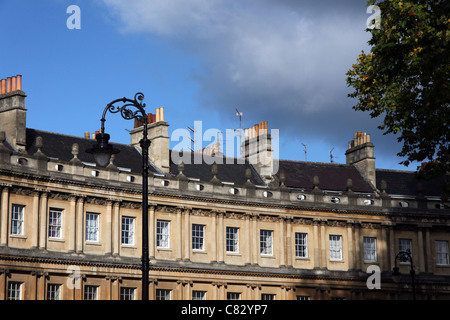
pixel 405 78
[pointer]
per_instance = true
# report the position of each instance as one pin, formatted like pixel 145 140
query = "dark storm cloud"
pixel 283 61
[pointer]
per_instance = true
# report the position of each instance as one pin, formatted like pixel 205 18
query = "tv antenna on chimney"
pixel 192 140
pixel 240 114
pixel 306 151
pixel 332 156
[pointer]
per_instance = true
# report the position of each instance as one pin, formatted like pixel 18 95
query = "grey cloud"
pixel 283 61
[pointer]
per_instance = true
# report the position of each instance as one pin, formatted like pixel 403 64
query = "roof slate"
pixel 59 146
pixel 406 183
pixel 333 177
pixel 229 170
pixel 299 174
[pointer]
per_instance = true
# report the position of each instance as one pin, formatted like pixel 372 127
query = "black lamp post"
pixel 405 256
pixel 102 152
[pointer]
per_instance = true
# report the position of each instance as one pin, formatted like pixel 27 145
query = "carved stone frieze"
pixel 22 191
pixel 201 212
pixel 303 221
pixel 235 215
pixel 167 209
pixel 130 205
pixel 336 223
pixel 370 225
pixel 59 196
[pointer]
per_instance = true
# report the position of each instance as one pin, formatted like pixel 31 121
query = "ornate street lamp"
pixel 405 256
pixel 102 152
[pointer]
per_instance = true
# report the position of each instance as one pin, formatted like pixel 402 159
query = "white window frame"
pixel 198 237
pixel 55 223
pixel 267 296
pixel 442 257
pixel 127 293
pixel 266 242
pixel 90 292
pixel 128 231
pixel 405 245
pixel 370 249
pixel 14 290
pixel 163 234
pixel 335 247
pixel 198 295
pixel 92 227
pixel 232 239
pixel 163 294
pixel 233 296
pixel 53 291
pixel 301 245
pixel 17 219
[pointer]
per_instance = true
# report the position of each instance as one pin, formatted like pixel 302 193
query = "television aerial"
pixel 306 151
pixel 332 156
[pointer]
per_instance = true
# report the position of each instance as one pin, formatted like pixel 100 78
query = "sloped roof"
pixel 229 170
pixel 59 146
pixel 300 174
pixel 406 183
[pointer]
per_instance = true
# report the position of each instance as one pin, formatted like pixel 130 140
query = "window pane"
pixel 198 232
pixel 162 294
pixel 54 223
pixel 405 245
pixel 233 296
pixel 127 230
pixel 90 293
pixel 92 227
pixel 162 234
pixel 335 247
pixel 17 219
pixel 53 291
pixel 127 293
pixel 442 253
pixel 15 291
pixel 370 249
pixel 232 239
pixel 198 295
pixel 266 241
pixel 301 245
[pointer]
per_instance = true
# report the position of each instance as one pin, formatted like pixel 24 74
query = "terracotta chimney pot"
pixel 3 86
pixel 8 84
pixel 19 82
pixel 14 84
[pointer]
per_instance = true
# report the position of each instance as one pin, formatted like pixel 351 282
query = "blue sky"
pixel 279 61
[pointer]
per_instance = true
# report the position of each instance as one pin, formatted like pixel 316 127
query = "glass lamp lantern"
pixel 102 150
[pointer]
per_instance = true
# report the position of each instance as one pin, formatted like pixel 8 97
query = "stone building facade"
pixel 72 230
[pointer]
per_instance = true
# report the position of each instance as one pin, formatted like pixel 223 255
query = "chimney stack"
pixel 212 150
pixel 158 133
pixel 257 149
pixel 360 153
pixel 11 84
pixel 13 112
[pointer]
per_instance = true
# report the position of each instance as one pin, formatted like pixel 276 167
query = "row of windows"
pixel 232 237
pixel 54 292
pixel 126 293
